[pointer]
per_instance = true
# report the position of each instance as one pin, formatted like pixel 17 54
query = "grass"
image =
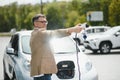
pixel 2 34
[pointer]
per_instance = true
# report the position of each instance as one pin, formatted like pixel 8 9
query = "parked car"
pixel 104 41
pixel 72 63
pixel 90 31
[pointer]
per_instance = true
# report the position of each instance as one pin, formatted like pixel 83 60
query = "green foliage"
pixel 73 19
pixel 59 14
pixel 54 17
pixel 105 8
pixel 114 12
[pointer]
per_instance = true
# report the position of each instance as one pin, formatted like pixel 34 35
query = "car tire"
pixel 6 76
pixel 105 47
pixel 14 76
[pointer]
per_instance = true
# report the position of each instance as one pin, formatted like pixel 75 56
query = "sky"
pixel 7 2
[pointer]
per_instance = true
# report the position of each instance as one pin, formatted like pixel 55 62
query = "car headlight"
pixel 94 41
pixel 88 65
pixel 27 65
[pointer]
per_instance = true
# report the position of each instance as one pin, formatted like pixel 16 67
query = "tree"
pixel 73 19
pixel 54 17
pixel 105 8
pixel 114 15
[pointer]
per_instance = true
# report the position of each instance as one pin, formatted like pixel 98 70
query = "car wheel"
pixel 14 76
pixel 6 76
pixel 105 47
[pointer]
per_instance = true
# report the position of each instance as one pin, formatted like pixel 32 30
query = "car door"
pixel 116 39
pixel 10 58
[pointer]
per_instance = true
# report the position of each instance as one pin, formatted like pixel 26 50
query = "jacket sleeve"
pixel 59 33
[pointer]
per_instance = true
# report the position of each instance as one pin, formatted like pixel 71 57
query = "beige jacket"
pixel 42 59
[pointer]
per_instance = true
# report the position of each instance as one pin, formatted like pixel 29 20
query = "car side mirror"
pixel 117 34
pixel 10 51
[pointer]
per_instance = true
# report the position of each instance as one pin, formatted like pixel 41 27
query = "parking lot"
pixel 107 65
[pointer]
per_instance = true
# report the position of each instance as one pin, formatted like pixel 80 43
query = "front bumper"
pixel 84 75
pixel 91 45
pixel 91 75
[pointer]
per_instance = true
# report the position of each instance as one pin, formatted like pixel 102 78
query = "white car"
pixel 104 41
pixel 90 31
pixel 72 63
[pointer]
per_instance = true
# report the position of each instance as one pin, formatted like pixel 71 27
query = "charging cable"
pixel 84 25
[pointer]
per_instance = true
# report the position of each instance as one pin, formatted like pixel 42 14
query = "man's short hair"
pixel 37 16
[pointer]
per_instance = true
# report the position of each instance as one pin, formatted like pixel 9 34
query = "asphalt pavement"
pixel 3 42
pixel 107 65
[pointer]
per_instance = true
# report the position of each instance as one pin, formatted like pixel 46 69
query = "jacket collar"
pixel 41 29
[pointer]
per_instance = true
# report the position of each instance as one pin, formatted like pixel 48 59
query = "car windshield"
pixel 63 45
pixel 25 42
pixel 59 45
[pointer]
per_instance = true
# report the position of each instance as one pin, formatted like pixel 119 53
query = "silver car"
pixel 72 63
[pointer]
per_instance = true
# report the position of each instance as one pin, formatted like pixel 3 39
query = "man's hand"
pixel 76 29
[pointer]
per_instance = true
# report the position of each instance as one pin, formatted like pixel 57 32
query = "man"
pixel 42 59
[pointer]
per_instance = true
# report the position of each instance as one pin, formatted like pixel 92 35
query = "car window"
pixel 14 43
pixel 100 30
pixel 96 30
pixel 118 32
pixel 93 31
pixel 25 42
pixel 89 31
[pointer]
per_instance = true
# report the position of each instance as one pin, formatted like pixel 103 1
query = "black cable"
pixel 77 56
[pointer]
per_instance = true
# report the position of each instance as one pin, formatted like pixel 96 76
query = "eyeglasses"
pixel 43 21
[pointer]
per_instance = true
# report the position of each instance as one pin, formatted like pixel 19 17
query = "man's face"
pixel 41 23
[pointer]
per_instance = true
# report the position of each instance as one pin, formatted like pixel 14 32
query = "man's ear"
pixel 35 24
